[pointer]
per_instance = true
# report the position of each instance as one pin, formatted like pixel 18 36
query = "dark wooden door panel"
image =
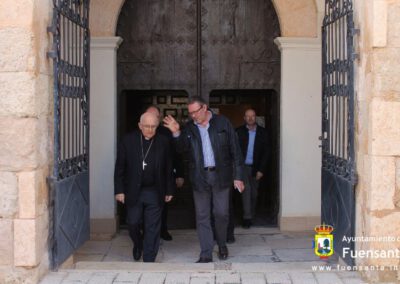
pixel 159 47
pixel 237 45
pixel 162 40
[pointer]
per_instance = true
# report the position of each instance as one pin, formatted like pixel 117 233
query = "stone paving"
pixel 259 255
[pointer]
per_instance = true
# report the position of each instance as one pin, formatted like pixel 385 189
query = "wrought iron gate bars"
pixel 338 57
pixel 70 54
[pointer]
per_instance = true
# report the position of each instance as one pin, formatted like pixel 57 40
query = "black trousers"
pixel 164 215
pixel 147 211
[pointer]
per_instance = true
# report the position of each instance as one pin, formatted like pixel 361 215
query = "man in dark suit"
pixel 178 171
pixel 143 181
pixel 254 146
pixel 215 162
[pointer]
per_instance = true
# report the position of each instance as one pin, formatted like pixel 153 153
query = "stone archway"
pixel 297 18
pixel 300 112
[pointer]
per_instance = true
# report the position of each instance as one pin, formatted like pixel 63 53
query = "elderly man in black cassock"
pixel 143 181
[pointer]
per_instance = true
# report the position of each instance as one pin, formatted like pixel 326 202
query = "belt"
pixel 209 169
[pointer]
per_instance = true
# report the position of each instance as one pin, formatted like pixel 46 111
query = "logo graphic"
pixel 323 242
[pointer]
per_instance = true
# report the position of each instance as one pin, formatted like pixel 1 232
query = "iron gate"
pixel 69 183
pixel 338 157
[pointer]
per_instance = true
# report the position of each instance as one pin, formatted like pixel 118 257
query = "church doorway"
pixel 232 104
pixel 223 51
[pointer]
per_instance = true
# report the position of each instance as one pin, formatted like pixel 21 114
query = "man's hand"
pixel 168 198
pixel 259 175
pixel 120 197
pixel 239 185
pixel 179 182
pixel 171 124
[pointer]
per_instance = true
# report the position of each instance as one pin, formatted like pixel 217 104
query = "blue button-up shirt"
pixel 250 147
pixel 208 153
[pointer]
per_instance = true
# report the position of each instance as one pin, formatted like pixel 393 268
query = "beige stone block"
pixel 17 94
pixel 23 94
pixel 43 14
pixel 9 195
pixel 16 13
pixel 19 275
pixel 6 242
pixel 297 18
pixel 397 193
pixel 25 243
pixel 386 70
pixel 381 179
pixel 384 129
pixel 104 25
pixel 24 143
pixel 30 185
pixel 393 35
pixel 386 231
pixel 379 20
pixel 16 49
pixel 44 95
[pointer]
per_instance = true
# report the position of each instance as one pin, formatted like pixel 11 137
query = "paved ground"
pixel 259 255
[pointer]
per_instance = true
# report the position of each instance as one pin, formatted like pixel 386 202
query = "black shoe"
pixel 166 236
pixel 204 260
pixel 247 223
pixel 230 239
pixel 137 252
pixel 223 253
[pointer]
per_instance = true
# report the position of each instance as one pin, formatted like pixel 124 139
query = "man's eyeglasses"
pixel 195 111
pixel 149 127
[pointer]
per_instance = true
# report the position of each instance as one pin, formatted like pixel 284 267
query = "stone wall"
pixel 378 131
pixel 297 18
pixel 25 139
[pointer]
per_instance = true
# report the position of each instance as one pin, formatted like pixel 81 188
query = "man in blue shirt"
pixel 215 163
pixel 254 145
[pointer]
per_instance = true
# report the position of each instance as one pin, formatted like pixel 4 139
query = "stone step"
pixel 195 267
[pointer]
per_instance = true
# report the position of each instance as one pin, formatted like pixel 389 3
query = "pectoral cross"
pixel 144 164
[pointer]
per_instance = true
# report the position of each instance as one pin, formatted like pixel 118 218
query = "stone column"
pixel 103 123
pixel 300 124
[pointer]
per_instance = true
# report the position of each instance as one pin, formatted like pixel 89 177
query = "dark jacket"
pixel 228 159
pixel 128 167
pixel 177 159
pixel 261 147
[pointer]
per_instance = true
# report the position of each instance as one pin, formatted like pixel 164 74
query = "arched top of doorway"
pixel 297 18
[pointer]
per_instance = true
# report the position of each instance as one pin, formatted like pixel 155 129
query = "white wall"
pixel 103 122
pixel 300 155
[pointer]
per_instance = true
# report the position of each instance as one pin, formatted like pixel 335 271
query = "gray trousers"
pixel 219 198
pixel 249 195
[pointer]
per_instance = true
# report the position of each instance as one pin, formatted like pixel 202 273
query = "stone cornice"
pixel 105 42
pixel 298 43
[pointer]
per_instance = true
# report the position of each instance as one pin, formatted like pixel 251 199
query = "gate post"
pixel 300 118
pixel 103 134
